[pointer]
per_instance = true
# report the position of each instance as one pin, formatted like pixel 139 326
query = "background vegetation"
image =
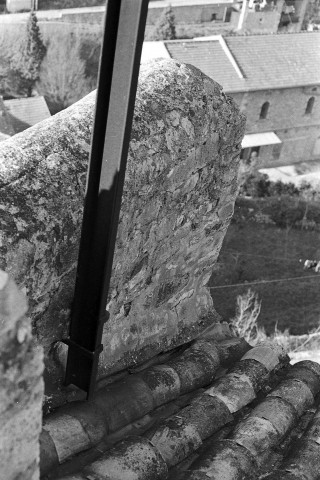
pixel 68 70
pixel 262 250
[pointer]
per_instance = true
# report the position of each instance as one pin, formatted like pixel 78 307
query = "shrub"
pixel 281 188
pixel 247 312
pixel 284 212
pixel 256 185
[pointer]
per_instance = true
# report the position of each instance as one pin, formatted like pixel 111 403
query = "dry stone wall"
pixel 178 200
pixel 21 387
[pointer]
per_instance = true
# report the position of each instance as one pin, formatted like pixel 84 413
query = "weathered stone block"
pixel 180 186
pixel 21 387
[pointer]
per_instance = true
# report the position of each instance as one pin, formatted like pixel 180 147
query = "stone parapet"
pixel 178 200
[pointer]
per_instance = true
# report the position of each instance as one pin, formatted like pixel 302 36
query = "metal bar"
pixel 118 77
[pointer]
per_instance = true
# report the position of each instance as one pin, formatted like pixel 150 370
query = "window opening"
pixel 264 110
pixel 309 106
pixel 249 154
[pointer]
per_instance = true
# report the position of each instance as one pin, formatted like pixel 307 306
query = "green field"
pixel 263 253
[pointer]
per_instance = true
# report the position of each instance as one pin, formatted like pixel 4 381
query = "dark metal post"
pixel 118 77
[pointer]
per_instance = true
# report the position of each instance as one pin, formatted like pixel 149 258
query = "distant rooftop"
pixel 252 62
pixel 25 112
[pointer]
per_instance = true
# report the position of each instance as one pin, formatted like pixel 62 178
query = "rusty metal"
pixel 118 76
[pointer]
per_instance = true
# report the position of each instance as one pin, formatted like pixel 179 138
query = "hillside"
pixel 257 253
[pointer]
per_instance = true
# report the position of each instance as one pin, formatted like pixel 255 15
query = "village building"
pixel 250 17
pixel 275 80
pixel 18 114
pixel 268 16
pixel 185 11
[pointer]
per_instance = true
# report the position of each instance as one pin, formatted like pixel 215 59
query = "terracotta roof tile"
pixel 239 425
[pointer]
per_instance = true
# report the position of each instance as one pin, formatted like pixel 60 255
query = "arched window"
pixel 264 110
pixel 309 106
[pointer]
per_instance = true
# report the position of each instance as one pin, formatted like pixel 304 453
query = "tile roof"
pixel 217 408
pixel 25 112
pixel 266 61
pixel 210 58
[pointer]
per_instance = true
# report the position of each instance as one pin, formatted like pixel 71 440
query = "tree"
pixel 62 75
pixel 28 59
pixel 165 26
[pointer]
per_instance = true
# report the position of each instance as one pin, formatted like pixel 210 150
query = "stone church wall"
pixel 287 117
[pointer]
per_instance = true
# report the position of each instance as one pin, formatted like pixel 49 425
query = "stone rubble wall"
pixel 21 387
pixel 178 200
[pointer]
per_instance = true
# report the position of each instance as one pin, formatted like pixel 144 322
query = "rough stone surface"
pixel 21 387
pixel 178 200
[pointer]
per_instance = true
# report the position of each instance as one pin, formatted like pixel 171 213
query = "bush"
pixel 259 185
pixel 256 185
pixel 281 188
pixel 286 213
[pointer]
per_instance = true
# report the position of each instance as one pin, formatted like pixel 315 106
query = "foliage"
pixel 309 192
pixel 62 75
pixel 258 185
pixel 31 52
pixel 165 26
pixel 281 188
pixel 90 54
pixel 247 312
pixel 68 71
pixel 286 213
pixel 11 82
pixel 312 14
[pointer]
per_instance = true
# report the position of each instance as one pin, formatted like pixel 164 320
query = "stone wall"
pixel 188 14
pixel 286 117
pixel 258 22
pixel 184 14
pixel 178 200
pixel 21 387
pixel 287 108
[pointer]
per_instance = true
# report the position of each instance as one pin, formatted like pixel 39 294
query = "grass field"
pixel 266 259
